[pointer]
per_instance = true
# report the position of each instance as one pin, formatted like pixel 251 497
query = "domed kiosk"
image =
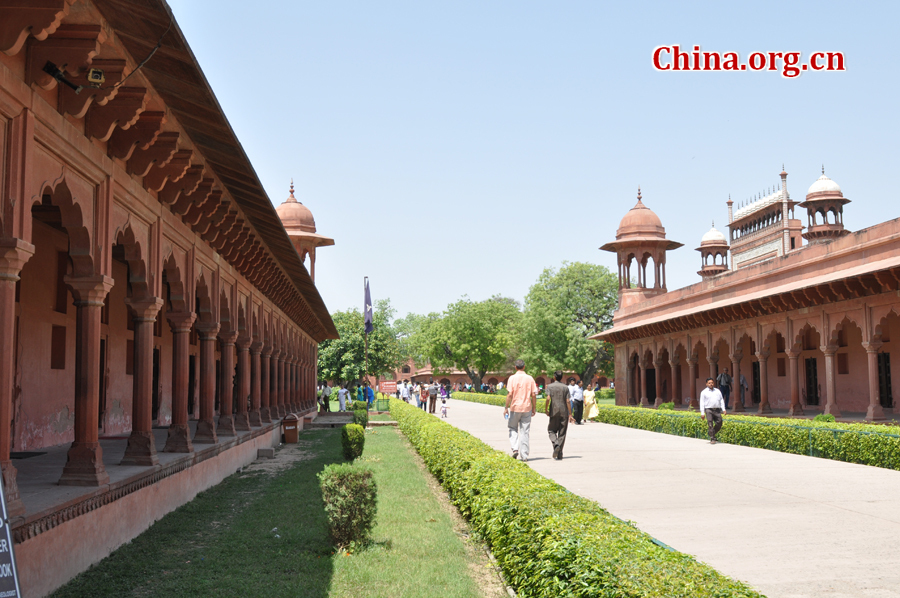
pixel 640 238
pixel 824 201
pixel 300 225
pixel 713 253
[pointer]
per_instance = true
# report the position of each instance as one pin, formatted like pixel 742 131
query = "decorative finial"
pixel 714 224
pixel 823 169
pixel 292 189
pixel 639 193
pixel 729 199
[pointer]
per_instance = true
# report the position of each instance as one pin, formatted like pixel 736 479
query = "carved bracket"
pixel 77 104
pixel 18 19
pixel 141 134
pixel 208 204
pixel 186 185
pixel 160 153
pixel 71 48
pixel 157 178
pixel 122 111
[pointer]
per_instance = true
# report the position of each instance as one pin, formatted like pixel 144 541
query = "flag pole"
pixel 366 286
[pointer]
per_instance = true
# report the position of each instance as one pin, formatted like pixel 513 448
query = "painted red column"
pixel 226 386
pixel 286 395
pixel 796 408
pixel 255 385
pixel 695 398
pixel 764 406
pixel 830 397
pixel 265 382
pixel 874 412
pixel 659 400
pixel 84 462
pixel 13 255
pixel 642 375
pixel 179 439
pixel 206 425
pixel 674 387
pixel 629 386
pixel 298 380
pixel 242 417
pixel 736 384
pixel 141 449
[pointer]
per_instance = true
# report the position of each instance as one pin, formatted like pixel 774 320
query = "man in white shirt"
pixel 404 391
pixel 342 397
pixel 577 393
pixel 326 397
pixel 712 407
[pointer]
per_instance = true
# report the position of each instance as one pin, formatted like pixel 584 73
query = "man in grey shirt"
pixel 559 413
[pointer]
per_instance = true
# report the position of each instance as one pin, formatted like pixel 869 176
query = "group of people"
pixel 425 395
pixel 363 393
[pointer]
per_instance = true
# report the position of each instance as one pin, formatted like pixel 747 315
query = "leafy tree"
pixel 343 359
pixel 562 310
pixel 476 337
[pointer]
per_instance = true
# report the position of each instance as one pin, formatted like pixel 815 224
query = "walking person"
pixel 724 381
pixel 343 393
pixel 577 401
pixel 404 392
pixel 326 397
pixel 559 413
pixel 521 403
pixel 712 407
pixel 432 396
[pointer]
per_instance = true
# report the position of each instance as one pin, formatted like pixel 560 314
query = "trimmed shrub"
pixel 866 444
pixel 361 417
pixel 607 393
pixel 353 438
pixel 824 417
pixel 497 399
pixel 356 405
pixel 548 541
pixel 667 406
pixel 349 493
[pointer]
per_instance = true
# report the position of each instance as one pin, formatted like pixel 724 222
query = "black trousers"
pixel 577 411
pixel 713 421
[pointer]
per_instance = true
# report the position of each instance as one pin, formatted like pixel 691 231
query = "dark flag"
pixel 368 309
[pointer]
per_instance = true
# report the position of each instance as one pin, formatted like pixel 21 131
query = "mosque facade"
pixel 156 318
pixel 801 309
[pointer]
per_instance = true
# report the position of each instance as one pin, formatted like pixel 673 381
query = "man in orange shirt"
pixel 521 403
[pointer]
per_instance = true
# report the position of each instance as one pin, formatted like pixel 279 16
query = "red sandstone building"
pixel 812 327
pixel 156 319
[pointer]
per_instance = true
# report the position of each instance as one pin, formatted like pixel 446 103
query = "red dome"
pixel 640 221
pixel 295 216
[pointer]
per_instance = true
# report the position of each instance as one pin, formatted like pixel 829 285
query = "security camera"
pixel 95 77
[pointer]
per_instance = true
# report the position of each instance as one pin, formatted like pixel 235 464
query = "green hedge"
pixel 548 541
pixel 866 444
pixel 353 440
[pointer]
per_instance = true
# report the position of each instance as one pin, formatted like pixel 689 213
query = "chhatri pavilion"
pixel 805 312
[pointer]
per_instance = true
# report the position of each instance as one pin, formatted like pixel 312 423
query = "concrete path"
pixel 788 525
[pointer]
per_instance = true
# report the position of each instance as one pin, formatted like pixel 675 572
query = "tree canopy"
pixel 343 359
pixel 562 310
pixel 474 336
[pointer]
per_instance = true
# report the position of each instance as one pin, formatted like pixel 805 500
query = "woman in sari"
pixel 590 405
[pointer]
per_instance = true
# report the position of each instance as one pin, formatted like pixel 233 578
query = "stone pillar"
pixel 674 387
pixel 298 385
pixel 830 397
pixel 659 398
pixel 874 412
pixel 242 419
pixel 14 253
pixel 141 449
pixel 265 381
pixel 84 463
pixel 255 385
pixel 642 378
pixel 226 385
pixel 179 439
pixel 695 398
pixel 206 425
pixel 713 367
pixel 736 383
pixel 279 384
pixel 629 387
pixel 764 406
pixel 286 395
pixel 796 408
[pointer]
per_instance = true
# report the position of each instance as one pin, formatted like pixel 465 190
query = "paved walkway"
pixel 788 525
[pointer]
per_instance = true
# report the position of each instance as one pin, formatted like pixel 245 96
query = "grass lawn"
pixel 224 542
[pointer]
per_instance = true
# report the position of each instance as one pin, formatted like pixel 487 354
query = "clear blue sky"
pixel 461 148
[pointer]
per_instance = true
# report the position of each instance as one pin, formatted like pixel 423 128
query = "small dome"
pixel 713 237
pixel 824 185
pixel 641 221
pixel 294 215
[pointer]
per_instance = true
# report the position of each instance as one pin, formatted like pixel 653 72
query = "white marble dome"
pixel 822 185
pixel 713 237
